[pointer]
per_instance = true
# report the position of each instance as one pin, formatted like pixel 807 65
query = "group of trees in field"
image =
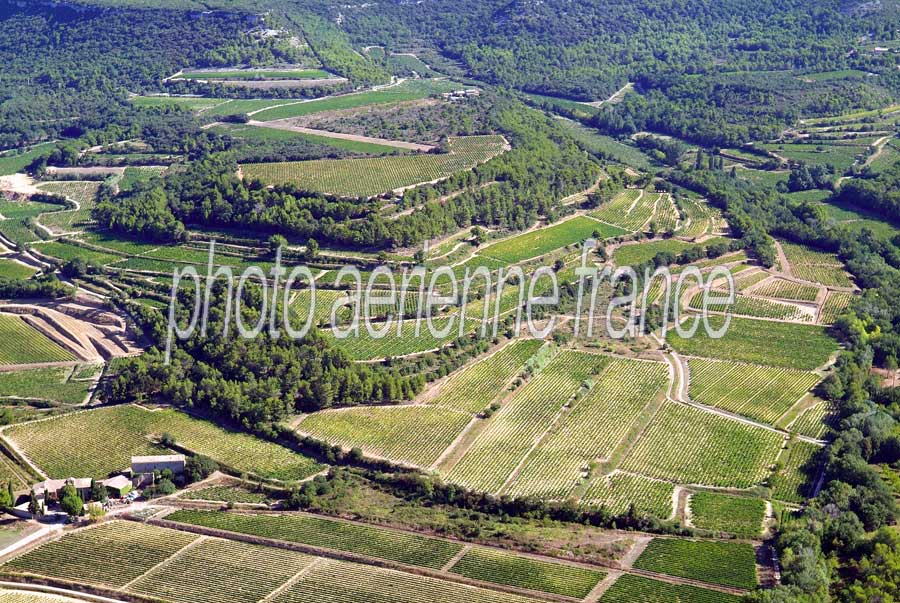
pixel 252 383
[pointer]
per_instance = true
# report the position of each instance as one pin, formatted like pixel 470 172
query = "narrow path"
pixel 283 125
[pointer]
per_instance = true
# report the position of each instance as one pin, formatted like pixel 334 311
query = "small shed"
pixel 117 486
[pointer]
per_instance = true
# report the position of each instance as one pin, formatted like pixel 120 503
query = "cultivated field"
pixel 689 446
pixel 84 193
pixel 414 435
pixel 834 306
pixel 798 472
pixel 402 547
pixel 511 433
pixel 755 307
pixel 514 570
pixel 758 392
pixel 788 345
pixel 723 513
pixel 591 430
pixel 367 347
pixel 715 562
pixel 96 443
pixel 636 589
pixel 618 491
pixel 54 384
pixel 784 289
pixel 631 210
pixel 544 240
pixel 816 266
pixel 374 176
pixel 23 344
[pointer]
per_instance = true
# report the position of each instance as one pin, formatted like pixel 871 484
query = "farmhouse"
pixel 50 489
pixel 143 467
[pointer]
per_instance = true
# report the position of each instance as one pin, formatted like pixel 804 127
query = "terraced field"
pixel 515 570
pixel 834 306
pixel 473 388
pixel 715 562
pixel 700 219
pixel 497 450
pixel 551 238
pixel 377 175
pixel 787 345
pixel 98 442
pixel 784 289
pixel 414 435
pixel 598 421
pixel 16 218
pixel 689 446
pixel 631 210
pixel 402 547
pixel 15 271
pixel 617 492
pixel 745 305
pixel 816 266
pixel 85 193
pixel 23 344
pixel 758 392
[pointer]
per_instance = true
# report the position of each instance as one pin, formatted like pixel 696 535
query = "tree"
pixel 34 506
pixel 98 491
pixel 6 498
pixel 312 248
pixel 276 241
pixel 70 502
pixel 199 467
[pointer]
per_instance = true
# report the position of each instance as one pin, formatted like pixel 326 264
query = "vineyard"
pixel 636 589
pixel 593 427
pixel 367 347
pixel 99 442
pixel 758 392
pixel 788 345
pixel 665 215
pixel 221 571
pixel 834 306
pixel 13 270
pixel 226 494
pixel 757 307
pixel 731 514
pixel 715 562
pixel 618 491
pixel 376 175
pixel 690 446
pixel 67 251
pixel 111 554
pixel 511 433
pixel 402 547
pixel 16 217
pixel 551 238
pixel 799 467
pixel 813 422
pixel 514 570
pixel 23 344
pixel 415 435
pixel 784 289
pixel 337 581
pixel 700 219
pixel 638 253
pixel 816 266
pixel 630 210
pixel 84 193
pixel 473 388
pixel 44 384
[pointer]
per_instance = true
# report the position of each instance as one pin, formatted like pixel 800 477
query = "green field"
pixel 816 266
pixel 799 467
pixel 377 175
pixel 788 345
pixel 723 513
pixel 714 562
pixel 619 491
pixel 515 570
pixel 99 442
pixel 690 446
pixel 366 347
pixel 16 217
pixel 759 392
pixel 226 494
pixel 510 434
pixel 12 162
pixel 191 103
pixel 598 421
pixel 473 388
pixel 550 238
pixel 606 146
pixel 636 589
pixel 14 270
pixel 261 133
pixel 415 435
pixel 632 255
pixel 44 384
pixel 23 344
pixel 402 547
pixel 67 251
pixel 252 74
